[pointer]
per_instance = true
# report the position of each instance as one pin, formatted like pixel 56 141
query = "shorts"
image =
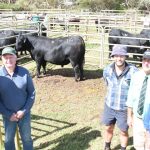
pixel 112 117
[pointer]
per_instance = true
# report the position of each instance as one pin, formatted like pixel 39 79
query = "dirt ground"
pixel 59 87
pixel 64 109
pixel 59 97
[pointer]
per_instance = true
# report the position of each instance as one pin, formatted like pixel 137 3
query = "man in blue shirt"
pixel 134 117
pixel 17 94
pixel 117 76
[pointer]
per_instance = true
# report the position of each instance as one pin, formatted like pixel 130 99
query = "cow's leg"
pixel 38 67
pixel 81 64
pixel 21 53
pixel 25 52
pixel 76 70
pixel 44 66
pixel 81 71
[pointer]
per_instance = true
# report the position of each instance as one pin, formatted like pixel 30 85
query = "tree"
pixel 144 4
pixel 97 5
pixel 131 3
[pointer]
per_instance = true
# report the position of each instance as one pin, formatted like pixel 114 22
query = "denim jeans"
pixel 24 126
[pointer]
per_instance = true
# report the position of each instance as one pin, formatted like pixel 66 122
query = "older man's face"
pixel 9 60
pixel 146 65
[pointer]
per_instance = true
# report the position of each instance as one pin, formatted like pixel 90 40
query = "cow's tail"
pixel 82 59
pixel 83 51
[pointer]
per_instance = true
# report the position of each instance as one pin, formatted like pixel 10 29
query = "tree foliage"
pixel 97 5
pixel 144 4
pixel 92 5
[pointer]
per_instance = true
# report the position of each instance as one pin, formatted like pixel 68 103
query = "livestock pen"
pixel 95 35
pixel 96 57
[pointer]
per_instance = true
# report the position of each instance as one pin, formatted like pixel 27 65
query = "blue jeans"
pixel 24 126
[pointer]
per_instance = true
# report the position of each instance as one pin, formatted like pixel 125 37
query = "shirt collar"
pixel 6 73
pixel 124 71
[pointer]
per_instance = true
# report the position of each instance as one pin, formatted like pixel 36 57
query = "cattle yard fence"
pixel 93 27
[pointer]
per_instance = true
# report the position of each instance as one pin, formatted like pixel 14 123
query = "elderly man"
pixel 17 96
pixel 138 104
pixel 117 76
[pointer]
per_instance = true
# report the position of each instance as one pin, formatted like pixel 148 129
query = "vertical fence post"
pixel 102 56
pixel 17 143
pixel 1 139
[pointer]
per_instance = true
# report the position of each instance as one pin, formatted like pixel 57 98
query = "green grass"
pixel 66 115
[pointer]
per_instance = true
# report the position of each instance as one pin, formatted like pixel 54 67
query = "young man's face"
pixel 146 65
pixel 119 60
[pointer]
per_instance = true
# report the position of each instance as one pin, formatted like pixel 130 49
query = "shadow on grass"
pixel 130 142
pixel 55 125
pixel 77 140
pixel 69 72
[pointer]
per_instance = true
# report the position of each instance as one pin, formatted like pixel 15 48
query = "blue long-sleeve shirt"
pixel 17 92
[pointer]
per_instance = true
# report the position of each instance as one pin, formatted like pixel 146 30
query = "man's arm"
pixel 4 111
pixel 130 117
pixel 30 97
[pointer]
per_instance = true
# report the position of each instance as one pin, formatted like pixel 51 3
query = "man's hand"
pixel 130 117
pixel 148 140
pixel 20 114
pixel 14 117
pixel 130 121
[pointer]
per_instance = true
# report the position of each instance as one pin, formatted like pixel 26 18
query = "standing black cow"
pixel 145 33
pixel 130 40
pixel 59 51
pixel 7 38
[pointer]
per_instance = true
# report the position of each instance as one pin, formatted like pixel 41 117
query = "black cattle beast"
pixel 7 37
pixel 117 36
pixel 59 51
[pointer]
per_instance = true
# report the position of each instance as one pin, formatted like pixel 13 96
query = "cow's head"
pixel 20 42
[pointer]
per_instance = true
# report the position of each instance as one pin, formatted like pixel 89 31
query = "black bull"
pixel 59 51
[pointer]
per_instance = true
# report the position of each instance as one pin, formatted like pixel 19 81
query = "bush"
pixel 97 5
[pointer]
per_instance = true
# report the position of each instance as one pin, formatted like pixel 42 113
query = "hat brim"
pixel 146 57
pixel 119 54
pixel 8 53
